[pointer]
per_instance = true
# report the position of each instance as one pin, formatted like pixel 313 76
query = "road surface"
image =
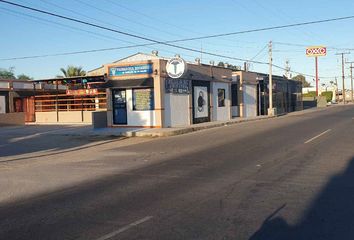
pixel 286 178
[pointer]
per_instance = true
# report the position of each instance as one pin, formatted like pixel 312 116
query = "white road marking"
pixel 136 223
pixel 319 135
pixel 13 140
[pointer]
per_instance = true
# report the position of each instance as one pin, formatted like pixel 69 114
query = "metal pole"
pixel 343 78
pixel 57 99
pixel 316 63
pixel 337 100
pixel 351 82
pixel 270 86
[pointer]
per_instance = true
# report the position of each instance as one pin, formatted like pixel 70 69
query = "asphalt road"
pixel 286 178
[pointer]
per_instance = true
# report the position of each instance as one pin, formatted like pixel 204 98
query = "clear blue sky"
pixel 27 33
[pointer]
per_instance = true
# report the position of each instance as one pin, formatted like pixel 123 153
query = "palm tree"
pixel 72 71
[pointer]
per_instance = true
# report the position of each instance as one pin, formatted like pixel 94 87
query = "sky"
pixel 26 33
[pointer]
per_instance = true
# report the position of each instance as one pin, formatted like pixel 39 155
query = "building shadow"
pixel 15 142
pixel 329 217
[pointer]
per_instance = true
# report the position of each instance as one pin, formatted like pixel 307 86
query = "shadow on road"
pixel 331 215
pixel 42 140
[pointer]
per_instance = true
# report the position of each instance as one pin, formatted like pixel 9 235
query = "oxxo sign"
pixel 316 51
pixel 176 67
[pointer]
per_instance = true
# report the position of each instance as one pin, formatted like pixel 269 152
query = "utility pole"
pixel 287 69
pixel 337 100
pixel 271 111
pixel 351 81
pixel 316 66
pixel 343 76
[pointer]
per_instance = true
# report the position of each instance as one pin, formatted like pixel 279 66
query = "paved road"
pixel 285 178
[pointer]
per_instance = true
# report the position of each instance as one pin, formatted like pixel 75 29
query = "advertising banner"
pixel 130 70
pixel 82 92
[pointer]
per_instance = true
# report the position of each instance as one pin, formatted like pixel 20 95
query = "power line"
pixel 186 39
pixel 259 52
pixel 303 45
pixel 168 43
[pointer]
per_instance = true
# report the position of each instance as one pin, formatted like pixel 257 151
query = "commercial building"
pixel 252 91
pixel 149 91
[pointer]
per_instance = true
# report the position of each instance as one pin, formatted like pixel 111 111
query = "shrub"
pixel 309 94
pixel 328 95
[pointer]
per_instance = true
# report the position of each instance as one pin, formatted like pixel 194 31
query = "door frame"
pixel 113 106
pixel 196 83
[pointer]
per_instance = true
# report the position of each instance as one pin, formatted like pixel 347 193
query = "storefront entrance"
pixel 201 101
pixel 119 106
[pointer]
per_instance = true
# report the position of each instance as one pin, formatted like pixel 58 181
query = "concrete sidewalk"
pixel 88 131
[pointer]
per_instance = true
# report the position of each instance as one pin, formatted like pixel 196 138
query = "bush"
pixel 328 95
pixel 309 94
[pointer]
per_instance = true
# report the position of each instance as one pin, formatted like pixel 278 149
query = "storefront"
pixel 252 92
pixel 159 93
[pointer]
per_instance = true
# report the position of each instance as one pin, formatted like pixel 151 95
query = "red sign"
pixel 316 51
pixel 82 92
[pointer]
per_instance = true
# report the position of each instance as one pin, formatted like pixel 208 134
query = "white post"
pixel 271 111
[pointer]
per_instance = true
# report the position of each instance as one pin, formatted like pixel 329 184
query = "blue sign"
pixel 130 70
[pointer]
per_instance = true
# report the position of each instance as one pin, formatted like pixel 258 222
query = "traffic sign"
pixel 316 51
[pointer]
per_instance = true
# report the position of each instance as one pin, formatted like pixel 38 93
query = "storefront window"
pixel 143 99
pixel 221 97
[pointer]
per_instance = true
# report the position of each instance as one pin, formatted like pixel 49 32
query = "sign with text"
pixel 81 92
pixel 143 99
pixel 316 51
pixel 130 70
pixel 178 86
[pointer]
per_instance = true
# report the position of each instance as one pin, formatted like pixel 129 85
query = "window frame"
pixel 221 101
pixel 152 95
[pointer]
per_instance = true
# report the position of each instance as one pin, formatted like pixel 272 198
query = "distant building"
pixel 252 89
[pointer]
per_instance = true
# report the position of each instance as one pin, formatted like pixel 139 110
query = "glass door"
pixel 119 106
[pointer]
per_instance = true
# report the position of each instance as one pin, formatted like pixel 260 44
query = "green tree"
pixel 229 66
pixel 7 73
pixel 302 78
pixel 24 77
pixel 72 71
pixel 221 64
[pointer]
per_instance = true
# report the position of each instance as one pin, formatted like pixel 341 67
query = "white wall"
pixel 2 104
pixel 138 118
pixel 249 100
pixel 221 113
pixel 177 110
pixel 235 111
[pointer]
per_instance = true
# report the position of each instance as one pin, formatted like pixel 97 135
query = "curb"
pixel 168 132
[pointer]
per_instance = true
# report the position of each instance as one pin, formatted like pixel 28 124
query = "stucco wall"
pixel 177 111
pixel 250 100
pixel 12 119
pixel 235 111
pixel 139 118
pixel 64 117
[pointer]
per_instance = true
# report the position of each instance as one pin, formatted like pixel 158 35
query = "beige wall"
pixel 64 117
pixel 12 119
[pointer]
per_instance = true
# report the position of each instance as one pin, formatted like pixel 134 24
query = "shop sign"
pixel 178 86
pixel 131 70
pixel 81 92
pixel 316 51
pixel 176 67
